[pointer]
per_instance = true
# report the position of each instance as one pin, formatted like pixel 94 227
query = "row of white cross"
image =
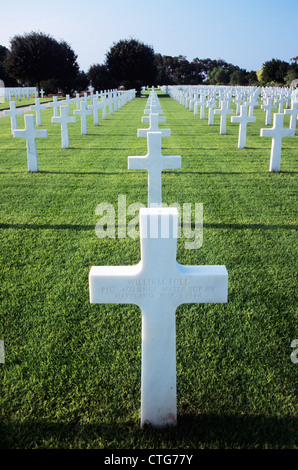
pixel 245 113
pixel 114 101
pixel 157 284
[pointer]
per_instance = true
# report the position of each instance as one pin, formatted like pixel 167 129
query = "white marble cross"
pixel 211 104
pixel 154 162
pixel 277 132
pixel 202 103
pixel 294 113
pixel 64 120
pixel 154 119
pixel 223 111
pixel 153 109
pixel 158 285
pixel 38 107
pixel 55 105
pixel 95 107
pixel 13 112
pixel 268 106
pixel 243 120
pixel 30 134
pixel 83 112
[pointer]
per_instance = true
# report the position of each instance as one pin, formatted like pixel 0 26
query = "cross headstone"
pixel 95 107
pixel 38 107
pixel 211 104
pixel 277 132
pixel 13 112
pixel 154 162
pixel 2 353
pixel 83 112
pixel 223 111
pixel 268 106
pixel 294 113
pixel 158 285
pixel 30 134
pixel 243 120
pixel 55 105
pixel 64 120
pixel 153 121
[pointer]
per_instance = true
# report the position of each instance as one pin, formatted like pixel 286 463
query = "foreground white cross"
pixel 154 162
pixel 158 285
pixel 13 112
pixel 243 120
pixel 30 134
pixel 64 120
pixel 277 132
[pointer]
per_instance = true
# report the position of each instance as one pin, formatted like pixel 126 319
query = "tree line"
pixel 37 59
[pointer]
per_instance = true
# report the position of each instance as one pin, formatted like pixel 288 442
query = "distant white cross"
pixel 154 162
pixel 158 285
pixel 95 107
pixel 243 120
pixel 154 119
pixel 13 112
pixel 30 134
pixel 64 120
pixel 38 107
pixel 268 106
pixel 223 111
pixel 277 132
pixel 294 113
pixel 211 104
pixel 83 112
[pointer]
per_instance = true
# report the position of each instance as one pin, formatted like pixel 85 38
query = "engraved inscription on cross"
pixel 154 162
pixel 158 284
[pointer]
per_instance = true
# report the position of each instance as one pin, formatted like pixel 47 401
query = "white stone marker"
pixel 223 111
pixel 2 354
pixel 158 285
pixel 83 112
pixel 30 134
pixel 268 106
pixel 154 162
pixel 154 119
pixel 13 112
pixel 38 107
pixel 95 107
pixel 277 132
pixel 211 104
pixel 243 120
pixel 294 113
pixel 64 120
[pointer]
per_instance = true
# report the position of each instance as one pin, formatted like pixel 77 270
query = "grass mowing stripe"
pixel 72 373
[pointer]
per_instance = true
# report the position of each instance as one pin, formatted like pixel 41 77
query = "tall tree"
pixel 34 57
pixel 101 78
pixel 131 63
pixel 275 70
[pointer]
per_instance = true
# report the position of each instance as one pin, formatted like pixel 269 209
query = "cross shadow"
pixel 193 431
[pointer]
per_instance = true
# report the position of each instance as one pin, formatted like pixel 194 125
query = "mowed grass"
pixel 72 372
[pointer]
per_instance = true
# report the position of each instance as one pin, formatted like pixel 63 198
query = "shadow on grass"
pixel 207 225
pixel 192 432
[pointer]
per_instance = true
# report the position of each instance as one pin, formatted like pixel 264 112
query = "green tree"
pixel 34 57
pixel 131 64
pixel 8 80
pixel 275 70
pixel 101 78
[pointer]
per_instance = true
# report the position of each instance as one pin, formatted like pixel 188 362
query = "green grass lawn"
pixel 72 371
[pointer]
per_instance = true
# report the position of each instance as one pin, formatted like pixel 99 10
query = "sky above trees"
pixel 246 33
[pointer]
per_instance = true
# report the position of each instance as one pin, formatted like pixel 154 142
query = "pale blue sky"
pixel 243 32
